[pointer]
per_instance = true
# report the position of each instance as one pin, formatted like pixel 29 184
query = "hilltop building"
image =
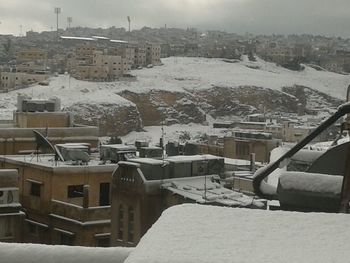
pixel 45 116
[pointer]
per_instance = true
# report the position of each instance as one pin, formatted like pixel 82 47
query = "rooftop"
pixel 201 189
pixel 47 162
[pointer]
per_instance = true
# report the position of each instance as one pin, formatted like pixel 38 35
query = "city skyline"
pixel 237 16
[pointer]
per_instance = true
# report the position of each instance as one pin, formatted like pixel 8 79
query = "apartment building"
pixel 30 69
pixel 31 55
pixel 153 52
pixel 17 137
pixel 127 52
pixel 89 63
pixel 15 80
pixel 140 56
pixel 65 202
pixel 11 216
pixel 143 188
pixel 242 143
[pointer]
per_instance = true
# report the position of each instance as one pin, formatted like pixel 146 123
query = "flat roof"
pixel 191 158
pixel 78 38
pixel 119 41
pixel 148 161
pixel 100 38
pixel 47 162
pixel 122 147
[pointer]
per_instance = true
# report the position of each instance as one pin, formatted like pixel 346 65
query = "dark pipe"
pixel 262 174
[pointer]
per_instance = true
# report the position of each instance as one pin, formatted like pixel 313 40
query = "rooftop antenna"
pixel 20 30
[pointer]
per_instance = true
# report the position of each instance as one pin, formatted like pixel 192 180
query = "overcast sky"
pixel 325 17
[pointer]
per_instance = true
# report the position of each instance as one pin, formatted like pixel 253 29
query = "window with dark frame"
pixel 35 189
pixel 33 229
pixel 75 191
pixel 66 239
pixel 131 224
pixel 120 222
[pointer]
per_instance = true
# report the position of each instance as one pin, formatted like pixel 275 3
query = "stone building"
pixel 45 116
pixel 143 188
pixel 11 217
pixel 65 202
pixel 242 143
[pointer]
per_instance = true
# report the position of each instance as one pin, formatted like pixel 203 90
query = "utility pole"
pixel 57 11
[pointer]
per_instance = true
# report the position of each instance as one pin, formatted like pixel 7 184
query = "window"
pixel 35 189
pixel 33 229
pixel 104 194
pixel 66 239
pixel 75 191
pixel 103 242
pixel 131 224
pixel 6 226
pixel 120 222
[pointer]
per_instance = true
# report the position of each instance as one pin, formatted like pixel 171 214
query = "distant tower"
pixel 69 21
pixel 129 20
pixel 57 11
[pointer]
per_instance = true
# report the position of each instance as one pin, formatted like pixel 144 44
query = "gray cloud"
pixel 327 17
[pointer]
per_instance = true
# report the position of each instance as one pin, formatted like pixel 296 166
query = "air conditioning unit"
pixel 117 152
pixel 74 151
pixel 9 196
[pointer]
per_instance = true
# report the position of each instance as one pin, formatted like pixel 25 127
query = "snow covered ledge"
pixel 35 253
pixel 198 233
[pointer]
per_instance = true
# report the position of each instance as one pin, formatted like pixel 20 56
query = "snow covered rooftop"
pixel 201 233
pixel 35 253
pixel 201 189
pixel 78 38
pixel 191 158
pixel 100 38
pixel 44 161
pixel 119 41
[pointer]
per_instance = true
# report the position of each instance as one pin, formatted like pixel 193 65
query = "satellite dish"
pixel 42 143
pixel 58 154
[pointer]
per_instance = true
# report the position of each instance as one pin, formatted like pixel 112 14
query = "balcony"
pixel 79 213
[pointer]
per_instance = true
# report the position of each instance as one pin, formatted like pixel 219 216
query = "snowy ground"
pixel 173 133
pixel 201 233
pixel 181 74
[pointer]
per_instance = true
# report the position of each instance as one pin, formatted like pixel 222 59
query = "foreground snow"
pixel 197 233
pixel 34 253
pixel 183 75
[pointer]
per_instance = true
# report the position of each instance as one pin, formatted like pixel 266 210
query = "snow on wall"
pixel 198 233
pixel 311 182
pixel 35 253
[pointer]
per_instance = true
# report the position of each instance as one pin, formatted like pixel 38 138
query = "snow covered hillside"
pixel 185 90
